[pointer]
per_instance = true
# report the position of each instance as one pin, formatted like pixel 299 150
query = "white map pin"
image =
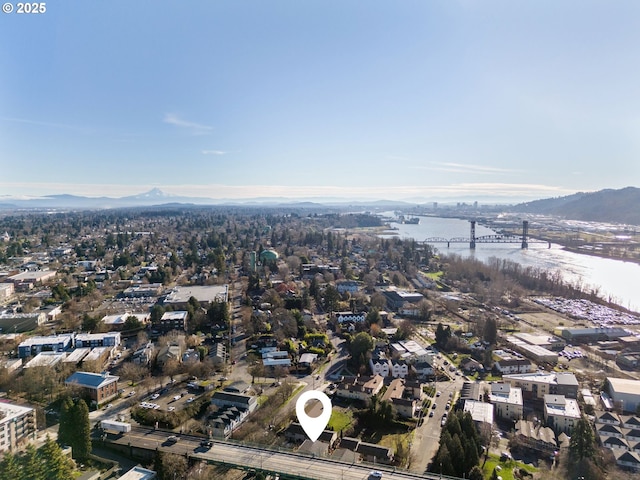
pixel 313 426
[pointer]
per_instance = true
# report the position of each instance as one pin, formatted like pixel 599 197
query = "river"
pixel 613 279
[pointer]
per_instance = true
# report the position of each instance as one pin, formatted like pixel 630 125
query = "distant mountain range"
pixel 156 197
pixel 614 206
pixel 610 206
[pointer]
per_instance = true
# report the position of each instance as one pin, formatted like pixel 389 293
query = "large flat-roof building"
pixel 21 322
pixel 46 359
pixel 17 425
pixel 111 339
pixel 6 292
pixel 38 276
pixel 561 413
pixel 507 401
pixel 175 320
pixel 396 299
pixel 179 296
pixel 54 343
pixel 538 384
pixel 625 393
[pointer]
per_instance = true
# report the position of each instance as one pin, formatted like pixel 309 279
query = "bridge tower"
pixel 472 241
pixel 525 233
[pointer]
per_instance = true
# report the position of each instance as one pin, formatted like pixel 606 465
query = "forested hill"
pixel 614 206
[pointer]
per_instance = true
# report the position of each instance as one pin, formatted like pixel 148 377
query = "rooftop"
pixel 624 385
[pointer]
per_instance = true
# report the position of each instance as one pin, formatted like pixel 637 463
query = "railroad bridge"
pixel 523 239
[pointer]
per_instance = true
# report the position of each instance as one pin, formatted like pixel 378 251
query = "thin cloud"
pixel 44 124
pixel 196 128
pixel 452 167
pixel 214 152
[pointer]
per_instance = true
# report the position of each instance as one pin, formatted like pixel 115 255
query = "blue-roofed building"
pixel 35 345
pixel 100 387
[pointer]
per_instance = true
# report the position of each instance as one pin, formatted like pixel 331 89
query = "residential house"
pixel 295 433
pixel 223 422
pixel 536 437
pixel 360 388
pixel 345 317
pixel 514 365
pixel 231 399
pixel 630 460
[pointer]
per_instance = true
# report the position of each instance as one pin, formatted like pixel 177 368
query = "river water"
pixel 614 279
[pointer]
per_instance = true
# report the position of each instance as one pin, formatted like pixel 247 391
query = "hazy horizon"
pixel 384 100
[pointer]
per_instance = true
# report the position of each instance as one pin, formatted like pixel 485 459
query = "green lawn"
pixel 434 275
pixel 339 420
pixel 507 467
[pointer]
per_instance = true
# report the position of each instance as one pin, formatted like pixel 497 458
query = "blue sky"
pixel 372 99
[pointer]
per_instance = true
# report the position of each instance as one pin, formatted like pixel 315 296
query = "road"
pixel 424 444
pixel 251 457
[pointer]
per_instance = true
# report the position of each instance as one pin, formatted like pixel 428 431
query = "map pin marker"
pixel 313 426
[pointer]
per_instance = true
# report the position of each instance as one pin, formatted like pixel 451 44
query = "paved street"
pixel 283 462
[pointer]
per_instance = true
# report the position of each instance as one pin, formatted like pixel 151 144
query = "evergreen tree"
pixel 82 439
pixel 32 466
pixel 10 466
pixel 58 466
pixel 582 444
pixel 491 331
pixel 65 429
pixel 476 473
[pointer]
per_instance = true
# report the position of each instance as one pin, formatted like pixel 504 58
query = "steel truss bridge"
pixel 522 239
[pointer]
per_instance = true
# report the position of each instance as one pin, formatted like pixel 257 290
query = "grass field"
pixel 507 467
pixel 339 420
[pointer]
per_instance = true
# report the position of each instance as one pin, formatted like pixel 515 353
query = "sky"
pixel 402 100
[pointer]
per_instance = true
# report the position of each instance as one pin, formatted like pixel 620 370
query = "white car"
pixel 191 399
pixel 375 474
pixel 155 396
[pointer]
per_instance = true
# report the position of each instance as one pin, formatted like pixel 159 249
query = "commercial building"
pixel 536 353
pixel 538 384
pixel 46 359
pixel 99 387
pixel 143 290
pixel 35 277
pixel 21 322
pixel 588 335
pixel 116 322
pixel 624 393
pixel 179 296
pixel 481 412
pixel 396 299
pixel 17 425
